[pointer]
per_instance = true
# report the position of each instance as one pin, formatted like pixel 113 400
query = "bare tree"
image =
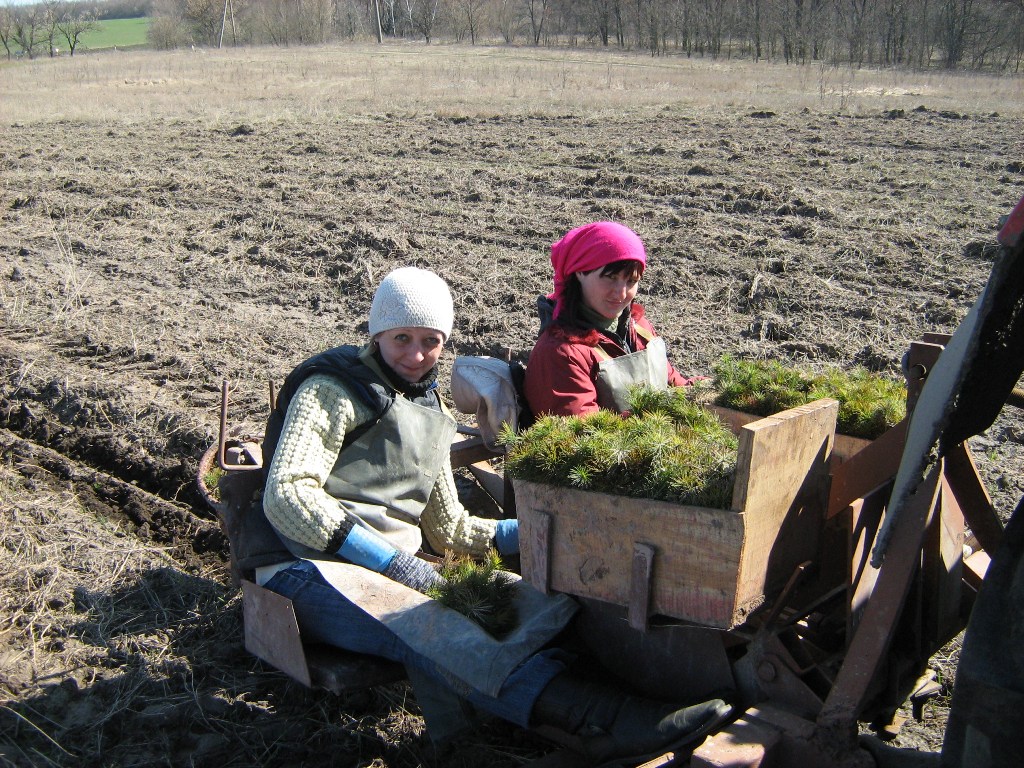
pixel 509 20
pixel 752 13
pixel 28 25
pixel 473 13
pixel 423 17
pixel 853 17
pixel 72 20
pixel 7 29
pixel 895 31
pixel 536 11
pixel 957 17
pixel 203 17
pixel 602 16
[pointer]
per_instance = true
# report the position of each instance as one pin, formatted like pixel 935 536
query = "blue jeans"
pixel 327 616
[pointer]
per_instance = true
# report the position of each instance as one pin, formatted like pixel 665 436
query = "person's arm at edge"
pixel 559 380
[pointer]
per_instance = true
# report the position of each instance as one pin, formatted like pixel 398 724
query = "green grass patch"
pixel 668 448
pixel 116 33
pixel 869 403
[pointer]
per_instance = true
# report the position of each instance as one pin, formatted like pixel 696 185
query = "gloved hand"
pixel 415 573
pixel 371 551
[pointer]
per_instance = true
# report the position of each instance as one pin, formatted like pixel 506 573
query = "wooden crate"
pixel 843 448
pixel 709 566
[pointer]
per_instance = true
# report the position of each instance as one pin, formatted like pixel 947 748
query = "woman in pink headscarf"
pixel 595 341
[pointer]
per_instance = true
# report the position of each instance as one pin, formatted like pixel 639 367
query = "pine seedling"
pixel 868 402
pixel 481 591
pixel 667 448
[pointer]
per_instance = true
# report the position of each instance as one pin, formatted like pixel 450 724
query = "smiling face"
pixel 608 293
pixel 411 352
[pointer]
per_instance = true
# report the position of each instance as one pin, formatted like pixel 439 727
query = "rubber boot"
pixel 613 725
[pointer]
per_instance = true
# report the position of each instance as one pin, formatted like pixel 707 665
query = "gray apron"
pixel 467 656
pixel 390 471
pixel 385 479
pixel 616 375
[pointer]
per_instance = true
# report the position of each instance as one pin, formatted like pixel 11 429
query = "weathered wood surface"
pixel 843 448
pixel 272 631
pixel 272 635
pixel 590 548
pixel 711 566
pixel 781 490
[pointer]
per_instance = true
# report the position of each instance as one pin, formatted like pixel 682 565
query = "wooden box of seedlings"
pixel 870 404
pixel 710 556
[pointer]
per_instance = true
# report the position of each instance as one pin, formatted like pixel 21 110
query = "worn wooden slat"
pixel 469 450
pixel 843 448
pixel 866 518
pixel 781 489
pixel 491 480
pixel 536 537
pixel 582 543
pixel 640 585
pixel 942 570
pixel 272 631
pixel 867 470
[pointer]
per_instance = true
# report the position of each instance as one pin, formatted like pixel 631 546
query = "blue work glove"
pixel 369 550
pixel 506 537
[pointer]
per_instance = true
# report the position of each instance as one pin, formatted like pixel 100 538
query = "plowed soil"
pixel 144 261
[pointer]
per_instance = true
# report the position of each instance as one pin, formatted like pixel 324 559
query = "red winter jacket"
pixel 561 374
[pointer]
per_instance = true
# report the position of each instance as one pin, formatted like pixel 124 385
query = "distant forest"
pixel 920 34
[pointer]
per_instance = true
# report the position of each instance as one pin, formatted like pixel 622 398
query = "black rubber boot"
pixel 613 725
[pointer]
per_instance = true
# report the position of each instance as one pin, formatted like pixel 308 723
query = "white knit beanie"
pixel 412 298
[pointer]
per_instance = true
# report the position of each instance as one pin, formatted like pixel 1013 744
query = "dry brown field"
pixel 169 220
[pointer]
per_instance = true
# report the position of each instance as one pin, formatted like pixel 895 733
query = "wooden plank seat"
pixel 271 631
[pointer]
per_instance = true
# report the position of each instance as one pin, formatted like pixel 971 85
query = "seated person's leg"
pixel 539 691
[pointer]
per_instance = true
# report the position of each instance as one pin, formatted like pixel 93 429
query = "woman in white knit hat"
pixel 359 477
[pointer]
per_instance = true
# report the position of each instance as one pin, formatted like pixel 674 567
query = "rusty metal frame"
pixel 254 462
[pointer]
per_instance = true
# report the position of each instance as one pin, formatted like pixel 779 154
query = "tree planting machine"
pixel 815 602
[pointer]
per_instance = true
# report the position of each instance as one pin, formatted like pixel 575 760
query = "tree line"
pixel 46 28
pixel 975 34
pixel 952 34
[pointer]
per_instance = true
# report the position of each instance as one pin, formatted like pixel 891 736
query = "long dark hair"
pixel 572 296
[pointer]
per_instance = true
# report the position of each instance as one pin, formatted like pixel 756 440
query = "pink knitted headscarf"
pixel 589 247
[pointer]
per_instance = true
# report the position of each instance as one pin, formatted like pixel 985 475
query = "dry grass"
pixel 80 595
pixel 287 84
pixel 172 219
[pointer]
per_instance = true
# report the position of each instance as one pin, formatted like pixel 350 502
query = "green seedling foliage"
pixel 665 447
pixel 211 481
pixel 481 591
pixel 869 403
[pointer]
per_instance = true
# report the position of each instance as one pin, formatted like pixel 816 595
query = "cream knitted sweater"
pixel 322 411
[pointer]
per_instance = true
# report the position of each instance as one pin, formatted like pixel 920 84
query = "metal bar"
pixel 223 437
pixel 780 602
pixel 869 645
pixel 970 494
